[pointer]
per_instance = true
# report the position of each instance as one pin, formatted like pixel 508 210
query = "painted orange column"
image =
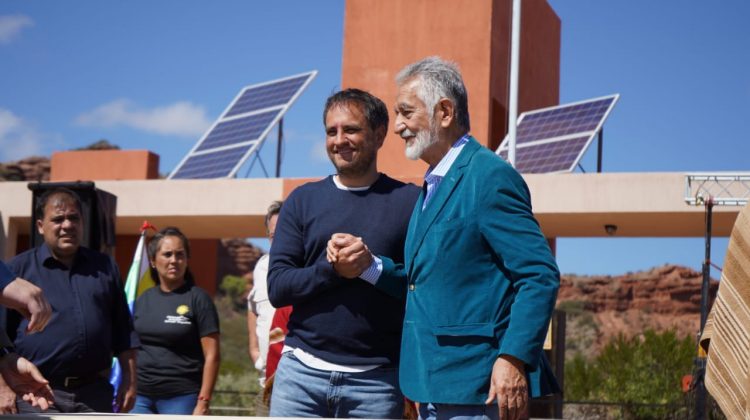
pixel 382 36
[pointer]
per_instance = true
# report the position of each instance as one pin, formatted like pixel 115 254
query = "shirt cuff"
pixel 373 272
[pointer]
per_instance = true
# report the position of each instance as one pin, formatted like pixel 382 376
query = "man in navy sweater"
pixel 342 350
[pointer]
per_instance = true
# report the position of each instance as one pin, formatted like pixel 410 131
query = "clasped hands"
pixel 348 254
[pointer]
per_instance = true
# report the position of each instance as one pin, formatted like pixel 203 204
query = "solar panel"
pixel 547 157
pixel 554 139
pixel 267 95
pixel 217 164
pixel 238 130
pixel 241 129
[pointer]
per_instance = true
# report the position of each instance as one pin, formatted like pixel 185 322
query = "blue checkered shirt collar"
pixel 435 174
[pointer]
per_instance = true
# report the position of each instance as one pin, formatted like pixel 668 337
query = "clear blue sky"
pixel 154 74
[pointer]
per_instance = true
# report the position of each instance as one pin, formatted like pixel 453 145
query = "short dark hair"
pixel 155 243
pixel 41 202
pixel 273 209
pixel 371 106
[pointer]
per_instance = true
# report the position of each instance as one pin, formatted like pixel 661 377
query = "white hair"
pixel 439 79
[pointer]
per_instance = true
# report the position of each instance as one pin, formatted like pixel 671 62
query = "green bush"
pixel 236 390
pixel 237 384
pixel 645 369
pixel 573 307
pixel 581 379
pixel 234 288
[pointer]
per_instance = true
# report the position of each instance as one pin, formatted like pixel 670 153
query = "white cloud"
pixel 11 26
pixel 18 139
pixel 180 118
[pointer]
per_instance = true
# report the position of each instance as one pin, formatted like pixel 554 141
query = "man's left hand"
pixel 509 387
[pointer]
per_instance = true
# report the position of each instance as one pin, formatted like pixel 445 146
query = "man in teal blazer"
pixel 479 277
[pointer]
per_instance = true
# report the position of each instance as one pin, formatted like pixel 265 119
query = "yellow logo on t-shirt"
pixel 182 310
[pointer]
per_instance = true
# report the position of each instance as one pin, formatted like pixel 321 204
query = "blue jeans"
pixel 458 412
pixel 301 391
pixel 171 404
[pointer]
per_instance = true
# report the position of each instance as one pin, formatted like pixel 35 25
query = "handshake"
pixel 348 254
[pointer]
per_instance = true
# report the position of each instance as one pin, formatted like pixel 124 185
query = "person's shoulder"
pixel 309 193
pixel 485 162
pixel 485 155
pixel 100 260
pixel 311 187
pixel 148 294
pixel 200 294
pixel 20 262
pixel 201 299
pixel 398 186
pixel 23 257
pixel 92 254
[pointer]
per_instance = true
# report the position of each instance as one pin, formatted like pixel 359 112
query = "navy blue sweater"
pixel 343 321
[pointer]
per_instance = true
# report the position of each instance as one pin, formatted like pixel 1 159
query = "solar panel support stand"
pixel 279 147
pixel 599 147
pixel 241 130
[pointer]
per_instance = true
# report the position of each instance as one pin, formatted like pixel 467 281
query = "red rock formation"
pixel 242 254
pixel 661 298
pixel 35 168
pixel 237 257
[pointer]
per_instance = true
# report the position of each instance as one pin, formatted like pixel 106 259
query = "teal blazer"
pixel 480 281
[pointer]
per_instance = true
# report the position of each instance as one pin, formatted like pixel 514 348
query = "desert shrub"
pixel 645 369
pixel 236 390
pixel 572 307
pixel 234 288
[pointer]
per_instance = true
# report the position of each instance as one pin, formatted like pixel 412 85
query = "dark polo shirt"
pixel 6 276
pixel 90 318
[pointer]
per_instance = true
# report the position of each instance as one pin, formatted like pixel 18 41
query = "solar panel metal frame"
pixel 591 134
pixel 258 142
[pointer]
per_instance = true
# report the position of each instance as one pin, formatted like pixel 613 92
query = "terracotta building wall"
pixel 382 36
pixel 92 165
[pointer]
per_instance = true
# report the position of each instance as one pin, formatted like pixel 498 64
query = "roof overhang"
pixel 566 205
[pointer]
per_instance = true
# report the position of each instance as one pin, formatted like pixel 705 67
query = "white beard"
pixel 419 142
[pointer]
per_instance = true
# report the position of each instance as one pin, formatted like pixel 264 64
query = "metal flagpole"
pixel 515 52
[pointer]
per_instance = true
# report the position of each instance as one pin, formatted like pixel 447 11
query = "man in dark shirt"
pixel 90 321
pixel 341 353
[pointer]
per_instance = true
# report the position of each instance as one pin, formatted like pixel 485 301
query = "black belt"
pixel 72 382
